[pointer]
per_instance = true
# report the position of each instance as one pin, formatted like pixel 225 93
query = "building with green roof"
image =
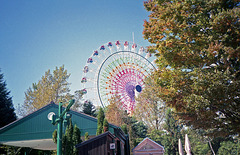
pixel 35 130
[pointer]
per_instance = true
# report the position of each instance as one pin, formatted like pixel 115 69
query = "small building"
pixel 148 147
pixel 104 144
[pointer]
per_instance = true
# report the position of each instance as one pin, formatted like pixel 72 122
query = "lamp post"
pixel 59 120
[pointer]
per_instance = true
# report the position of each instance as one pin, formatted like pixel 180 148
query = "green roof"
pixel 36 126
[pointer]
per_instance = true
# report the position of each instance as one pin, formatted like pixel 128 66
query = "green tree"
pixel 105 125
pixel 202 148
pixel 53 87
pixel 229 148
pixel 4 149
pixel 139 131
pixel 157 136
pixel 199 143
pixel 197 48
pixel 54 136
pixel 89 108
pixel 136 130
pixel 86 136
pixel 150 108
pixel 68 142
pixel 7 111
pixel 6 105
pixel 124 128
pixel 173 133
pixel 100 118
pixel 71 138
pixel 76 138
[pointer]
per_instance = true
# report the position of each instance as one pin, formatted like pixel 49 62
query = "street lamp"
pixel 58 119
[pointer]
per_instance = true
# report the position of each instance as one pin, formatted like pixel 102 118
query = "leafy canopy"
pixel 197 47
pixel 150 108
pixel 114 113
pixel 53 87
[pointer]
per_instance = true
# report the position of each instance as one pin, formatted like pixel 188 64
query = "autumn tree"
pixel 197 48
pixel 149 107
pixel 136 130
pixel 114 113
pixel 6 105
pixel 53 87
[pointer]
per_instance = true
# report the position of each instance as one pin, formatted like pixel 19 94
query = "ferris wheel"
pixel 117 69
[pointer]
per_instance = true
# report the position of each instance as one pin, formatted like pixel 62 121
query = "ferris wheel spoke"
pixel 116 69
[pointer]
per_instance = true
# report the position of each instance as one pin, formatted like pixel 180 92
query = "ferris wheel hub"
pixel 138 88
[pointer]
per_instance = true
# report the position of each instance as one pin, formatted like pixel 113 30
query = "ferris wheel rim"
pixel 117 52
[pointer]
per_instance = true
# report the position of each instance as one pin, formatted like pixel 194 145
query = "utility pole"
pixel 59 120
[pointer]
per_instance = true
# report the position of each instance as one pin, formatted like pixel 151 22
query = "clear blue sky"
pixel 37 35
